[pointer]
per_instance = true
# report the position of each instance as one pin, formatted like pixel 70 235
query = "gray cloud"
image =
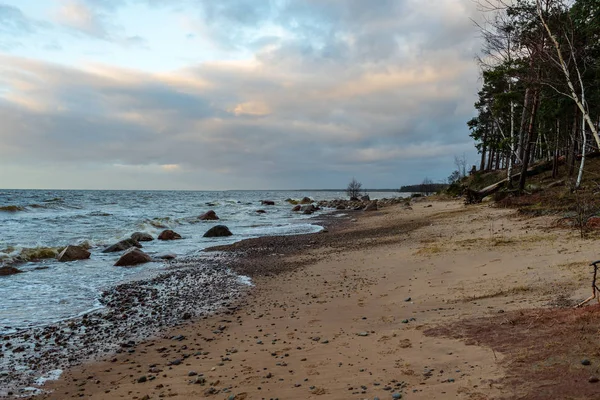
pixel 379 90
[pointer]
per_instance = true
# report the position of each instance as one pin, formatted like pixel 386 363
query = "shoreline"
pixel 357 312
pixel 59 345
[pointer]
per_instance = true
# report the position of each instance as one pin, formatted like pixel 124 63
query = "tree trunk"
pixel 522 126
pixel 531 139
pixel 556 151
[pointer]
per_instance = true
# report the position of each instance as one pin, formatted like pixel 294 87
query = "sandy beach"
pixel 421 302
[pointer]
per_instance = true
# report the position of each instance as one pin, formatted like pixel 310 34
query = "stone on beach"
pixel 142 237
pixel 72 253
pixel 372 206
pixel 209 216
pixel 218 231
pixel 297 208
pixel 133 256
pixel 5 271
pixel 169 235
pixel 267 203
pixel 122 245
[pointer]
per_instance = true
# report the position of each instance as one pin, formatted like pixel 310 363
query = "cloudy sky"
pixel 234 94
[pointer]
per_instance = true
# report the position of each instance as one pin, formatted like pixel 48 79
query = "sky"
pixel 234 94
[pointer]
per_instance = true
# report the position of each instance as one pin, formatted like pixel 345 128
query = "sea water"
pixel 50 291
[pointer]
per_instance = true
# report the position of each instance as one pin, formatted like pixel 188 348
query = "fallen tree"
pixel 476 196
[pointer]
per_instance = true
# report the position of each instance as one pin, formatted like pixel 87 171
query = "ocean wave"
pixel 13 254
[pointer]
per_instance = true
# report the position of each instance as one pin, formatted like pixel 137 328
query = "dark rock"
pixel 261 212
pixel 169 235
pixel 267 203
pixel 209 216
pixel 586 362
pixel 122 245
pixel 372 206
pixel 167 256
pixel 340 207
pixel 354 198
pixel 142 379
pixel 72 253
pixel 306 200
pixel 218 231
pixel 133 257
pixel 593 379
pixel 310 208
pixel 365 198
pixel 297 208
pixel 5 271
pixel 142 237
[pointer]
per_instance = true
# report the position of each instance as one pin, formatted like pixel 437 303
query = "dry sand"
pixel 367 310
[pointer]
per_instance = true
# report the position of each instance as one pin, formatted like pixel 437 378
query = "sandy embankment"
pixel 347 317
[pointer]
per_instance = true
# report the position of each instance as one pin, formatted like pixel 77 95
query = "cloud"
pixel 317 92
pixel 96 19
pixel 15 26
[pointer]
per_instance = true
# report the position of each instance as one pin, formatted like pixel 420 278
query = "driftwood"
pixel 476 196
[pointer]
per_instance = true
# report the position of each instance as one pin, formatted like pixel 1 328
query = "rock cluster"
pixel 367 205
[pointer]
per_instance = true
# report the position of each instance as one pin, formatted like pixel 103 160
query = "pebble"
pixel 593 379
pixel 396 396
pixel 364 333
pixel 586 362
pixel 142 379
pixel 408 299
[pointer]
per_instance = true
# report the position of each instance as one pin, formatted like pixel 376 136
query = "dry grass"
pixel 542 349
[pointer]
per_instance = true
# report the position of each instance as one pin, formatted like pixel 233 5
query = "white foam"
pixel 245 280
pixel 53 375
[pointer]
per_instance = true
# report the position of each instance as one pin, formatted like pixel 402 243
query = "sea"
pixel 37 222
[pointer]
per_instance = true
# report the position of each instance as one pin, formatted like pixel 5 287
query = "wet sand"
pixel 350 313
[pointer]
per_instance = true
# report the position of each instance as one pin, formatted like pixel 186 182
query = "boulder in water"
pixel 297 208
pixel 209 216
pixel 306 200
pixel 310 208
pixel 122 245
pixel 72 253
pixel 261 212
pixel 133 256
pixel 218 231
pixel 167 256
pixel 169 235
pixel 142 237
pixel 5 271
pixel 267 203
